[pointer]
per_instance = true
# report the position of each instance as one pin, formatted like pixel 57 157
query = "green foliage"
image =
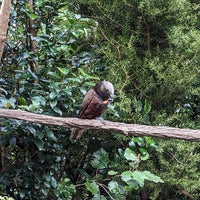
pixel 6 198
pixel 58 50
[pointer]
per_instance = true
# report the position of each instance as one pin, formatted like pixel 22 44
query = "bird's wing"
pixel 86 102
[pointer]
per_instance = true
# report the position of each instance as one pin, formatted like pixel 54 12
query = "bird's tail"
pixel 76 133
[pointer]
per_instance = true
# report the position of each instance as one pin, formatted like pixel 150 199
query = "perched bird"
pixel 94 104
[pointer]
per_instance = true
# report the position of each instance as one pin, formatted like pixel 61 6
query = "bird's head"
pixel 105 90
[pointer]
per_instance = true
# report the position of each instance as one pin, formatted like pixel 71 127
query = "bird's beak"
pixel 110 99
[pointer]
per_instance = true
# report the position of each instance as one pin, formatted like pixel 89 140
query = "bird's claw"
pixel 101 119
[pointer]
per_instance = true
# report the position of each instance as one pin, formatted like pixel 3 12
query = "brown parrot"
pixel 94 104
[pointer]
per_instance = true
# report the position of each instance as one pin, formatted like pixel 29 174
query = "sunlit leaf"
pixel 92 186
pixel 112 172
pixel 57 110
pixel 53 103
pixel 53 182
pixel 149 176
pixel 98 197
pixel 33 16
pixel 144 154
pixel 130 154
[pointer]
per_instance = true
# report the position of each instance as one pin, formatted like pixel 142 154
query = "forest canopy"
pixel 57 50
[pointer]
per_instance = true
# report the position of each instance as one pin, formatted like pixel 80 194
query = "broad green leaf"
pixel 92 186
pixel 77 16
pixel 130 154
pixel 132 144
pixel 33 16
pixel 51 136
pixel 57 110
pixel 115 188
pixel 83 91
pixel 101 159
pixel 138 177
pixel 32 130
pixel 149 176
pixel 139 141
pixel 53 95
pixel 53 103
pixel 144 154
pixel 39 99
pixel 121 152
pixel 22 101
pixel 112 172
pixel 98 197
pixel 126 176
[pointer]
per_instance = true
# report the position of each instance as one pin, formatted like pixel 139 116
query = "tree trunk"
pixel 4 17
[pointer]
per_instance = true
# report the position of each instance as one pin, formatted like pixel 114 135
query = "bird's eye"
pixel 107 91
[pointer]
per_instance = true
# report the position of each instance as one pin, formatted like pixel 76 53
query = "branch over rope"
pixel 127 129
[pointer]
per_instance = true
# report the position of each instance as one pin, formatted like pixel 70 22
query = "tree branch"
pixel 127 129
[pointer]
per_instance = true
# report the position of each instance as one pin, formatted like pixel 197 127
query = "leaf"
pixel 132 144
pixel 138 176
pixel 12 141
pixel 130 155
pixel 137 105
pixel 84 173
pixel 98 197
pixel 57 110
pixel 112 172
pixel 32 130
pixel 45 191
pixel 115 188
pixel 54 74
pixel 101 159
pixel 33 16
pixel 126 176
pixel 39 143
pixel 147 106
pixel 53 103
pixel 144 154
pixel 92 186
pixel 47 177
pixel 63 71
pixel 83 91
pixel 149 176
pixel 51 136
pixel 131 178
pixel 139 141
pixel 77 16
pixel 52 95
pixel 39 99
pixel 121 152
pixel 22 101
pixel 53 182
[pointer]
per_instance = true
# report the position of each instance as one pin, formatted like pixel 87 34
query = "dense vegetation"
pixel 56 51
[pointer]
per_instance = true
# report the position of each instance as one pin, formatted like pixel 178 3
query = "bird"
pixel 94 104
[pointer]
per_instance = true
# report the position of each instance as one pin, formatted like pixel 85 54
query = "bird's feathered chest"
pixel 93 105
